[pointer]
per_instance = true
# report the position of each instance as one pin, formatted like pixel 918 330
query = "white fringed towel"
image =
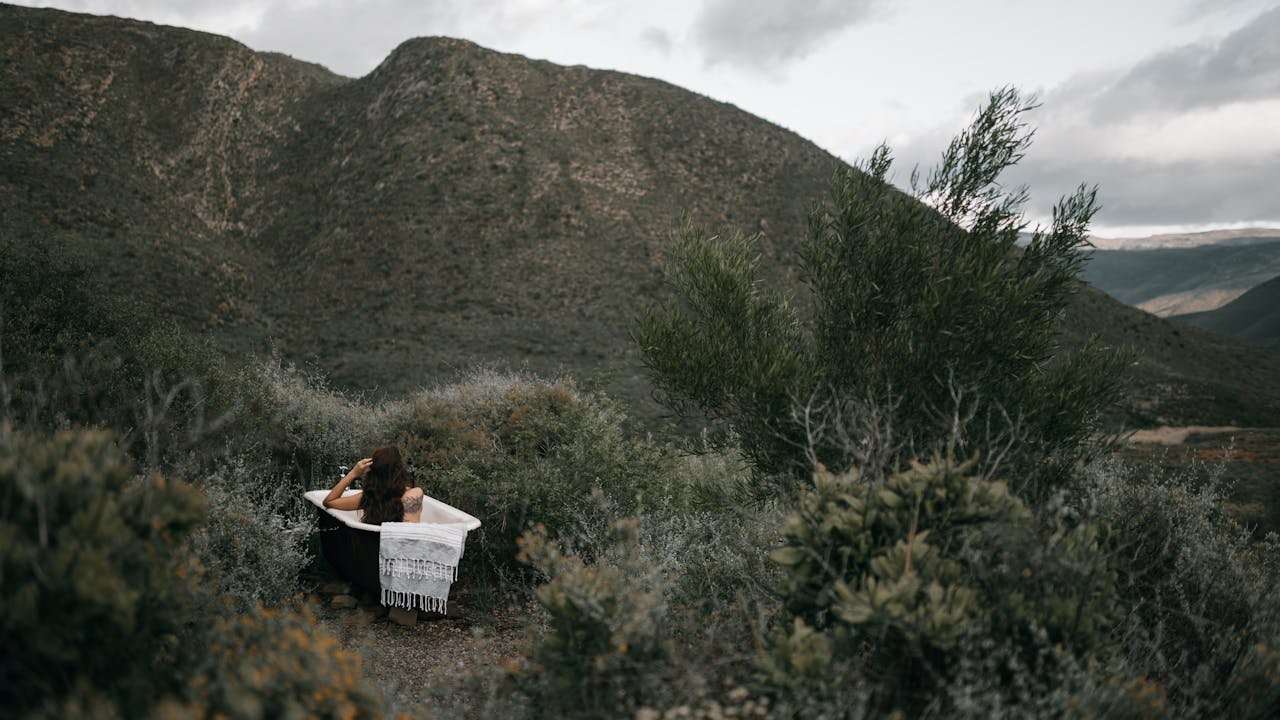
pixel 417 562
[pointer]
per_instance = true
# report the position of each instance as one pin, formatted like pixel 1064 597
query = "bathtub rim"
pixel 350 518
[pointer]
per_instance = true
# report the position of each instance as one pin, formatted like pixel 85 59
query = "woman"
pixel 389 494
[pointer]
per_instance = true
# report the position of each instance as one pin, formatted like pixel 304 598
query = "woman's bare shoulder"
pixel 413 492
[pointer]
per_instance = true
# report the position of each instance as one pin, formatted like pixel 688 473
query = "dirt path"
pixel 1177 435
pixel 442 664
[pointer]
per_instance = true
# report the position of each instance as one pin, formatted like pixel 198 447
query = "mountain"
pixel 1182 375
pixel 1253 317
pixel 455 206
pixel 1173 281
pixel 1240 236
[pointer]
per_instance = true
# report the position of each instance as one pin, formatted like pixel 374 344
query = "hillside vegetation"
pixel 902 505
pixel 1253 317
pixel 456 206
pixel 928 534
pixel 1184 375
pixel 1178 281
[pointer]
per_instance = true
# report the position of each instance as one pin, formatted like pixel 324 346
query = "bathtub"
pixel 351 546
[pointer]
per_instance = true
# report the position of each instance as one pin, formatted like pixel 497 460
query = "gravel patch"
pixel 441 667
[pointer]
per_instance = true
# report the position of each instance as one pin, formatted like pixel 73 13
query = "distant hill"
pixel 1239 236
pixel 1183 375
pixel 1253 317
pixel 1173 281
pixel 455 206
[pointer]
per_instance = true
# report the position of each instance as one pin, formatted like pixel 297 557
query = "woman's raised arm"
pixel 335 499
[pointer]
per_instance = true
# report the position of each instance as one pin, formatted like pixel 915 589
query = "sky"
pixel 1171 107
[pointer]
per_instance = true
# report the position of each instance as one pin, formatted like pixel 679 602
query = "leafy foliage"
pixel 107 611
pixel 912 303
pixel 518 451
pixel 254 544
pixel 935 590
pixel 273 664
pixel 888 582
pixel 93 590
pixel 46 308
pixel 72 356
pixel 605 628
pixel 1204 617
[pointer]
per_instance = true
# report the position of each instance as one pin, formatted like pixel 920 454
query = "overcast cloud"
pixel 224 17
pixel 352 31
pixel 761 34
pixel 657 38
pixel 349 37
pixel 1243 67
pixel 1187 136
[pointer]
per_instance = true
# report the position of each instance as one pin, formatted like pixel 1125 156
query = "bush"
pixel 993 680
pixel 47 309
pixel 888 582
pixel 94 590
pixel 657 613
pixel 71 356
pixel 517 451
pixel 310 429
pixel 912 302
pixel 107 612
pixel 274 664
pixel 1204 615
pixel 254 546
pixel 605 627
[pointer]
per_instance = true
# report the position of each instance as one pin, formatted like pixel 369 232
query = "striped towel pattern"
pixel 418 562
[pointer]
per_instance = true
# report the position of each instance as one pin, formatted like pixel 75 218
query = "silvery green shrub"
pixel 886 583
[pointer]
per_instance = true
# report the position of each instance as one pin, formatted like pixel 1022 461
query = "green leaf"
pixel 789 555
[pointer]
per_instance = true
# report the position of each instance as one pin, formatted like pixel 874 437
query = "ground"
pixel 1248 458
pixel 441 664
pixel 449 666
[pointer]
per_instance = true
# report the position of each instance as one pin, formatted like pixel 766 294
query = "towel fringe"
pixel 412 601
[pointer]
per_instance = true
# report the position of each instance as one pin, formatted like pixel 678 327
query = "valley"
pixel 455 208
pixel 227 275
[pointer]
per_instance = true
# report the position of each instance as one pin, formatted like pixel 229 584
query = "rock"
pixel 343 602
pixel 335 587
pixel 360 617
pixel 407 618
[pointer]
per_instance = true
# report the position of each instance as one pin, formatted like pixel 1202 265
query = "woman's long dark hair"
pixel 384 485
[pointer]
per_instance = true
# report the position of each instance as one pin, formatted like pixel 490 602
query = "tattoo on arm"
pixel 412 504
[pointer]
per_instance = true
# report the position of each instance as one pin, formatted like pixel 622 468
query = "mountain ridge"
pixel 454 206
pixel 1177 280
pixel 1226 237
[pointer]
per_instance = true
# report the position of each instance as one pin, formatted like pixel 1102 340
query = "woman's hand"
pixel 335 498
